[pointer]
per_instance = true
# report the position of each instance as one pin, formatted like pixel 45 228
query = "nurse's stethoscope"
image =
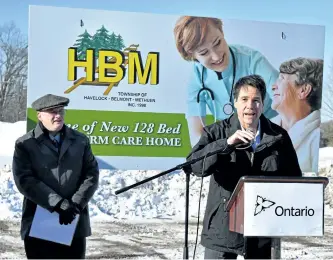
pixel 228 107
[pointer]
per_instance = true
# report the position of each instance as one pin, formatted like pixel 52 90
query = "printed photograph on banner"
pixel 288 57
pixel 142 86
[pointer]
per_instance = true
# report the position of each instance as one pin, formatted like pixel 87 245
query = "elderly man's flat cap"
pixel 49 101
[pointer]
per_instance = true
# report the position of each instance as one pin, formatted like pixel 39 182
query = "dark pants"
pixel 41 249
pixel 254 250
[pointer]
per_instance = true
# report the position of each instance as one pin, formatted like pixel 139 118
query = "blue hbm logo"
pixel 262 204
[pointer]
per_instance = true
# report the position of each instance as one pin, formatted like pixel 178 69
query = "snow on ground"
pixel 159 240
pixel 152 205
pixel 161 198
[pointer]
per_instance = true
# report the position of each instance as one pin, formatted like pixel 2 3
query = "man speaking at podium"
pixel 249 144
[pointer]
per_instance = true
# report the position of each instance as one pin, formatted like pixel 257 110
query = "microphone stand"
pixel 187 169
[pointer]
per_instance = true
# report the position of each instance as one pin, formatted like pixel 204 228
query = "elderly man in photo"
pixel 54 168
pixel 252 145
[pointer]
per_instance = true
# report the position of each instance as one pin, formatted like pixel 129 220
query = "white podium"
pixel 277 207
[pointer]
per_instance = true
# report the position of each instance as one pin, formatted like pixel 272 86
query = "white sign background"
pixel 286 195
pixel 52 30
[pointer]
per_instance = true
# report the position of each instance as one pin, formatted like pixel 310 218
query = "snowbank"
pixel 161 198
pixel 9 132
pixel 325 157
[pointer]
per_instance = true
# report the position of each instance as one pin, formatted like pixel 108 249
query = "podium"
pixel 277 207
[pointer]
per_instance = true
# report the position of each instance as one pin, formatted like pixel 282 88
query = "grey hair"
pixel 308 71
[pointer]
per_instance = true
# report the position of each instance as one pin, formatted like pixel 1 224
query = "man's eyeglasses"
pixel 59 111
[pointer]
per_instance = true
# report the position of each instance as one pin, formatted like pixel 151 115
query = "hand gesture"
pixel 240 136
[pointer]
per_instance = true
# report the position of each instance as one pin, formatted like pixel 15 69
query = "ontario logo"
pixel 262 204
pixel 106 60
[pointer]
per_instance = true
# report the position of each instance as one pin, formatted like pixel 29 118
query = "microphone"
pixel 225 150
pixel 242 145
pixel 252 131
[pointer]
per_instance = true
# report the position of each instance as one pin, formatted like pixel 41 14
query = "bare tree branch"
pixel 13 73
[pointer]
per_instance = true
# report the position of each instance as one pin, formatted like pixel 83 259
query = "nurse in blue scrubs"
pixel 216 68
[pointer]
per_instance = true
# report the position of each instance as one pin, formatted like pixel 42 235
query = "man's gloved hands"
pixel 67 211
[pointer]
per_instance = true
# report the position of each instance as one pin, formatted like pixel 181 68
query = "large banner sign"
pixel 142 86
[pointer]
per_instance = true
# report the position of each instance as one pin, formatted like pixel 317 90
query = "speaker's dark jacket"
pixel 274 156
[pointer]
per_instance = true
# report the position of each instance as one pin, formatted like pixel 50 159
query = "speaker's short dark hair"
pixel 255 81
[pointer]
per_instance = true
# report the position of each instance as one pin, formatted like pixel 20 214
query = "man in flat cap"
pixel 54 168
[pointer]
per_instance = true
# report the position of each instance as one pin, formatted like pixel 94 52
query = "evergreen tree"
pixel 119 43
pixel 113 41
pixel 101 40
pixel 83 43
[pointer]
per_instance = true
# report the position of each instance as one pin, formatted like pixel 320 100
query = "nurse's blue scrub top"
pixel 248 62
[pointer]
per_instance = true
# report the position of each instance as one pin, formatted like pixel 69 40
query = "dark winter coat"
pixel 45 176
pixel 274 156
